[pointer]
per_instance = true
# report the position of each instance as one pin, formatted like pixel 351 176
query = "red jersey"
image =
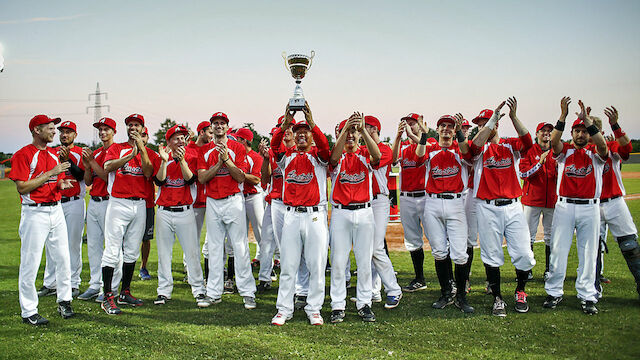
pixel 222 184
pixel 304 173
pixel 580 172
pixel 129 180
pixel 379 180
pixel 175 191
pixel 445 170
pixel 539 186
pixel 274 188
pixel 254 165
pixel 78 189
pixel 611 177
pixel 98 186
pixel 29 163
pixel 412 169
pixel 201 198
pixel 351 178
pixel 495 175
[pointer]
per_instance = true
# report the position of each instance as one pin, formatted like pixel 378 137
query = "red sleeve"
pixel 276 141
pixel 527 143
pixel 201 163
pixel 624 151
pixel 155 160
pixel 257 165
pixel 241 158
pixel 525 162
pixel 113 153
pixel 19 167
pixel 321 143
pixel 475 149
pixel 192 162
pixel 386 155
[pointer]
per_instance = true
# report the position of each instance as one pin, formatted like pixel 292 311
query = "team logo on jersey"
pixel 294 178
pixel 438 173
pixel 606 168
pixel 175 183
pixel 408 164
pixel 277 173
pixel 131 170
pixel 351 178
pixel 52 179
pixel 573 171
pixel 223 171
pixel 492 163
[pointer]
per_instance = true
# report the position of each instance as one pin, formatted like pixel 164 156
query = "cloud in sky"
pixel 42 19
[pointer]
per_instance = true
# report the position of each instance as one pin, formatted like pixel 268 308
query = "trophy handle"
pixel 284 57
pixel 313 53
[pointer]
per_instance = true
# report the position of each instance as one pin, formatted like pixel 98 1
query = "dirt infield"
pixel 631 175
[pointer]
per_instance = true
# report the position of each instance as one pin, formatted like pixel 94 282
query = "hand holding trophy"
pixel 298 65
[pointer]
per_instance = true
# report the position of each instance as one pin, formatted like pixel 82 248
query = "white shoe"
pixel 376 298
pixel 280 319
pixel 315 319
pixel 249 302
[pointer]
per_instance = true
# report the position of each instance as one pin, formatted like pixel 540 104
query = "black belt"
pixel 353 206
pixel 609 199
pixel 50 203
pixel 502 202
pixel 100 198
pixel 176 208
pixel 413 193
pixel 134 198
pixel 579 201
pixel 226 197
pixel 67 199
pixel 303 209
pixel 449 196
pixel 247 195
pixel 379 195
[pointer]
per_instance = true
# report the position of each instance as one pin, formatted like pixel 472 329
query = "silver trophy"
pixel 298 65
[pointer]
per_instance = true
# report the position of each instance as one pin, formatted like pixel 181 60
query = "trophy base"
pixel 296 104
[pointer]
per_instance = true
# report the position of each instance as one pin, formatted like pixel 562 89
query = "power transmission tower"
pixel 97 110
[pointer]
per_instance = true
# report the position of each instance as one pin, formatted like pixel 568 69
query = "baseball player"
pixel 497 188
pixel 221 167
pixel 73 207
pixel 382 271
pixel 538 170
pixel 444 214
pixel 39 177
pixel 96 177
pixel 304 228
pixel 177 191
pixel 470 207
pixel 130 165
pixel 579 187
pixel 149 198
pixel 412 185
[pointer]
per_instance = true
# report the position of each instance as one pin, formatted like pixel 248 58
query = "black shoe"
pixel 337 316
pixel 415 285
pixel 366 314
pixel 604 280
pixel 551 302
pixel 521 302
pixel 109 305
pixel 443 301
pixel 263 286
pixel 160 300
pixel 462 304
pixel 589 307
pixel 299 302
pixel 35 320
pixel 45 291
pixel 499 307
pixel 126 298
pixel 65 310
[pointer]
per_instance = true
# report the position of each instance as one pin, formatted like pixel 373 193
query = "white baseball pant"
pixel 585 220
pixel 382 271
pixel 200 219
pixel 471 210
pixel 504 222
pixel 615 213
pixel 303 234
pixel 532 213
pixel 96 211
pixel 126 225
pixel 351 228
pixel 227 217
pixel 446 227
pixel 411 213
pixel 268 247
pixel 254 205
pixel 74 217
pixel 182 225
pixel 40 225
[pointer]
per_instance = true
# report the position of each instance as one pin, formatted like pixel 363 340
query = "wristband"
pixel 592 130
pixel 618 133
pixel 460 136
pixel 491 124
pixel 423 139
pixel 560 125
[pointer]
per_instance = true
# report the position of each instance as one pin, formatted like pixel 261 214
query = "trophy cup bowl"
pixel 297 65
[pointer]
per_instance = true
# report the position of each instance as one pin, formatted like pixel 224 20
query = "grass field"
pixel 413 330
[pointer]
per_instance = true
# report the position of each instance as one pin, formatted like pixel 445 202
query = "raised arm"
pixel 594 132
pixel 161 176
pixel 422 142
pixel 397 143
pixel 556 134
pixel 463 142
pixel 338 147
pixel 517 124
pixel 484 133
pixel 372 146
pixel 265 169
pixel 621 137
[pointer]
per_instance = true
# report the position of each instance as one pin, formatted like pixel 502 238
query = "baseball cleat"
pixel 444 301
pixel 109 305
pixel 208 301
pixel 280 319
pixel 499 308
pixel 144 274
pixel 487 288
pixel 200 297
pixel 337 316
pixel 521 302
pixel 274 276
pixel 366 314
pixel 589 307
pixel 604 280
pixel 415 285
pixel 392 301
pixel 45 291
pixel 263 286
pixel 160 300
pixel 462 304
pixel 315 318
pixel 551 302
pixel 75 292
pixel 65 310
pixel 376 298
pixel 35 319
pixel 300 302
pixel 89 294
pixel 126 298
pixel 255 264
pixel 228 286
pixel 249 302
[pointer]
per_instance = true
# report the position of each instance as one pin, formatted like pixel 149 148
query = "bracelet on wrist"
pixel 460 136
pixel 423 139
pixel 560 125
pixel 592 130
pixel 615 127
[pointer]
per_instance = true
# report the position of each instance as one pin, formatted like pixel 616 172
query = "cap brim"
pixel 219 117
pixel 56 121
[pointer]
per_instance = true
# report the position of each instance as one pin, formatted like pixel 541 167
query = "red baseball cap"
pixel 203 125
pixel 145 131
pixel 176 129
pixel 411 116
pixel 342 124
pixel 273 131
pixel 577 123
pixel 245 133
pixel 543 125
pixel 372 121
pixel 42 119
pixel 465 123
pixel 280 120
pixel 300 125
pixel 68 125
pixel 105 121
pixel 220 115
pixel 484 114
pixel 446 118
pixel 134 117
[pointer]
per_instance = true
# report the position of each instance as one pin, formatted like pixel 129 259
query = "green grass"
pixel 413 330
pixel 627 167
